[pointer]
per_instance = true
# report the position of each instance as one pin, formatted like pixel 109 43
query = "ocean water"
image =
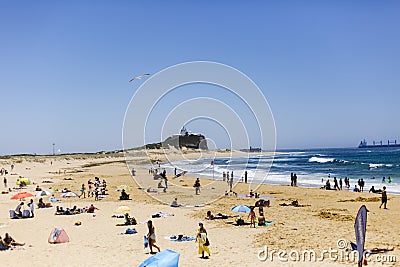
pixel 311 166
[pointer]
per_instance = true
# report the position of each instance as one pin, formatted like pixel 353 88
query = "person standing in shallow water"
pixel 291 179
pixel 384 198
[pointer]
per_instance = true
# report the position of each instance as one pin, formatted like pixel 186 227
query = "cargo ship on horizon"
pixel 364 144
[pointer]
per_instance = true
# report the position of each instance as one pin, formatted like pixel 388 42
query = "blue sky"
pixel 329 69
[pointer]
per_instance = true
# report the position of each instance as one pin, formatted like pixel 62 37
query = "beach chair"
pixel 13 215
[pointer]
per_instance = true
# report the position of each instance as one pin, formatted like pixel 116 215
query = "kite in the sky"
pixel 139 77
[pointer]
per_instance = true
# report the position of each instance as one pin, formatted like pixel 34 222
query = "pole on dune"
pixel 53 149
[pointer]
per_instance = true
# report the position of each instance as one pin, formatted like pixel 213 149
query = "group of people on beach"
pixel 20 208
pixel 94 189
pixel 337 184
pixel 201 239
pixel 227 175
pixel 360 188
pixel 75 210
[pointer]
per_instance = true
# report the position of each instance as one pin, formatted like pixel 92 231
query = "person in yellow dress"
pixel 202 240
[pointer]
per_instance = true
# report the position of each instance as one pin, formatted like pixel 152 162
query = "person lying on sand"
pixel 9 241
pixel 376 191
pixel 294 203
pixel 210 216
pixel 150 190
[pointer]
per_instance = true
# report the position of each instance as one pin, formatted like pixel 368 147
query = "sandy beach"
pixel 323 219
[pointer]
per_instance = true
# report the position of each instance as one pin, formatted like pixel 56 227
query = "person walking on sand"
pixel 151 236
pixel 336 186
pixel 340 184
pixel 384 198
pixel 202 240
pixel 231 184
pixel 197 186
pixel 245 177
pixel 83 191
pixel 5 182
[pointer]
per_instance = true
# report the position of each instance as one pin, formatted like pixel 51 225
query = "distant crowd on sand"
pixel 338 185
pixel 96 189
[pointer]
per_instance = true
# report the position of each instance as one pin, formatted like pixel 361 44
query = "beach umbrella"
pixel 43 193
pixel 241 208
pixel 21 195
pixel 127 188
pixel 165 258
pixel 122 210
pixel 69 195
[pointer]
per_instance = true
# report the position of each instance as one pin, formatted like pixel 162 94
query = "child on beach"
pixel 252 216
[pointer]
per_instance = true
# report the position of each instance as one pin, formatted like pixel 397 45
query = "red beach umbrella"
pixel 22 195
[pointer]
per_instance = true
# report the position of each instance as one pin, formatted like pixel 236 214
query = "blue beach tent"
pixel 165 258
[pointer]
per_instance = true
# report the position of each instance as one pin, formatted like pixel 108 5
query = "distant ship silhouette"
pixel 364 144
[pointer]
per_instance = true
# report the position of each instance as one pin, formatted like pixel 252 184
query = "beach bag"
pixel 13 215
pixel 204 239
pixel 26 214
pixel 207 243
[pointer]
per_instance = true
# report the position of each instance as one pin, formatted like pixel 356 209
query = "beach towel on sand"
pixel 266 224
pixel 180 238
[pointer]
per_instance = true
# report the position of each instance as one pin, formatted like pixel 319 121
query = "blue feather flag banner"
pixel 360 227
